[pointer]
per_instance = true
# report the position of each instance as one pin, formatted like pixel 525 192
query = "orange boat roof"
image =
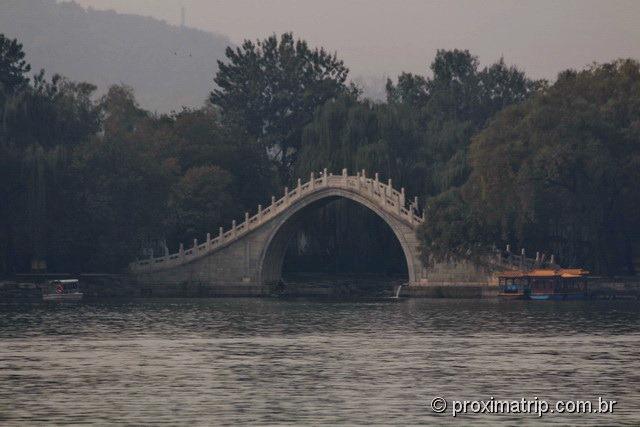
pixel 565 273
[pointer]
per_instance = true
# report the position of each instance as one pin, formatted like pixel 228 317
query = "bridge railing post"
pixel 195 246
pixel 233 227
pixel 208 241
pixel 312 180
pixel 325 176
pixel 259 213
pixel 181 251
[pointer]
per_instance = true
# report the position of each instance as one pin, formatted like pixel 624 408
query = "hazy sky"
pixel 385 37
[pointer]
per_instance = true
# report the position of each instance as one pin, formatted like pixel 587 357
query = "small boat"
pixel 544 285
pixel 63 291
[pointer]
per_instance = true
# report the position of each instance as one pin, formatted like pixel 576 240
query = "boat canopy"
pixel 565 273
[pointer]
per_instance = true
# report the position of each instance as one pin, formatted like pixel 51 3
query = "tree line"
pixel 89 183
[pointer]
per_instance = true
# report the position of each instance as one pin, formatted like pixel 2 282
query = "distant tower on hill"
pixel 182 16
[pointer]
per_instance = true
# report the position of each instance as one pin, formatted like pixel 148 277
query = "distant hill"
pixel 168 66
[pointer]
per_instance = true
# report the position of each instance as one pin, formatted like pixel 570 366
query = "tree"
pixel 120 187
pixel 202 138
pixel 451 106
pixel 559 173
pixel 200 201
pixel 272 87
pixel 13 66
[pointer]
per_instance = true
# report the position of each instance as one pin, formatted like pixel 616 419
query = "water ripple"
pixel 249 361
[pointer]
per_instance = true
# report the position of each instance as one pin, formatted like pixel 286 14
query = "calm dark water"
pixel 249 361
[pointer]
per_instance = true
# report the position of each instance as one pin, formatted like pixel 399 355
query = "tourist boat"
pixel 65 291
pixel 510 289
pixel 560 284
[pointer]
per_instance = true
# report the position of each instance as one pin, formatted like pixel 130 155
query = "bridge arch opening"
pixel 309 245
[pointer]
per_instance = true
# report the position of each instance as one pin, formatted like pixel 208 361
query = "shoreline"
pixel 102 286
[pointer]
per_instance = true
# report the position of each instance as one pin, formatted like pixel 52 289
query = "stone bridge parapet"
pixel 258 231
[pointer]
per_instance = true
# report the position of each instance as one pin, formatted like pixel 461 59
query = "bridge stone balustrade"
pixel 252 252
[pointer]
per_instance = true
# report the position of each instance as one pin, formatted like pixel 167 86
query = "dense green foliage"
pixel 420 137
pixel 89 183
pixel 559 172
pixel 85 183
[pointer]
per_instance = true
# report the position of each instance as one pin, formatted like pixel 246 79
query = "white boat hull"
pixel 70 297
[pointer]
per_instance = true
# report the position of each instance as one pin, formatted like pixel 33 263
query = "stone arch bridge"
pixel 252 252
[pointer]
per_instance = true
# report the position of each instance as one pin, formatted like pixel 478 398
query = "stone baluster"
pixel 233 227
pixel 312 180
pixel 259 213
pixel 299 187
pixel 402 197
pixel 208 241
pixel 195 246
pixel 325 179
pixel 181 251
pixel 220 232
pixel 246 219
pixel 344 172
pixel 376 182
pixel 273 201
pixel 286 196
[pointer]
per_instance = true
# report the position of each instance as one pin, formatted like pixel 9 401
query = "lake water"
pixel 262 361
